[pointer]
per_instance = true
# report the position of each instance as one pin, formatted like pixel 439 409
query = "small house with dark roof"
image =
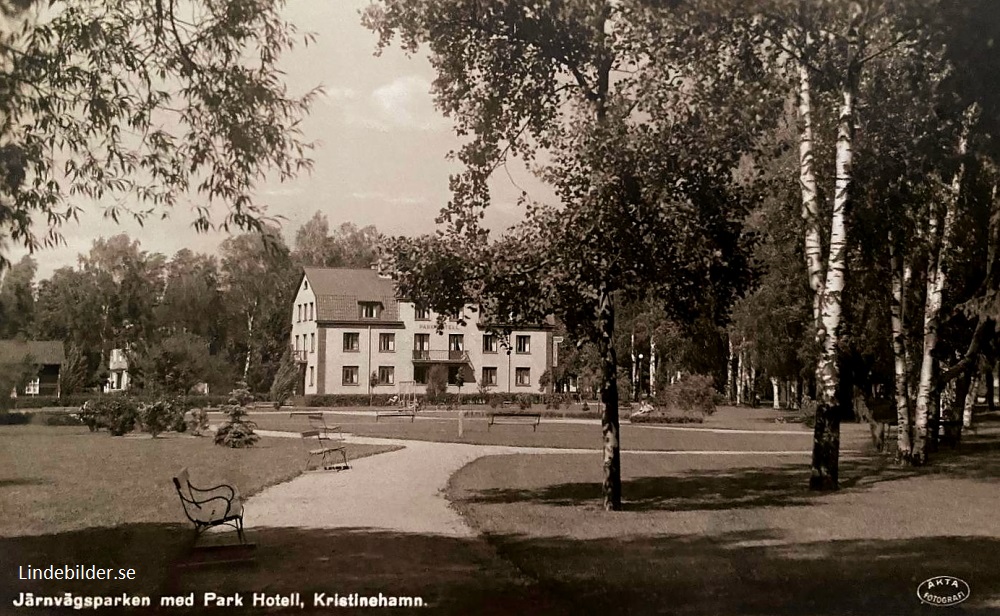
pixel 48 355
pixel 351 334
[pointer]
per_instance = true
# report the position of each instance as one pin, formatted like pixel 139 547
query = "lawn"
pixel 574 434
pixel 71 496
pixel 742 535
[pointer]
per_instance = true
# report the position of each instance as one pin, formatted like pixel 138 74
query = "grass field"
pixel 714 535
pixel 69 496
pixel 580 435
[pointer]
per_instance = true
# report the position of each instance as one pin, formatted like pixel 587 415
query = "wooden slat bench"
pixel 389 414
pixel 515 418
pixel 208 507
pixel 317 421
pixel 325 451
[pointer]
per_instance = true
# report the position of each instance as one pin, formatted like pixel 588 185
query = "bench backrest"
pixel 319 435
pixel 317 421
pixel 183 484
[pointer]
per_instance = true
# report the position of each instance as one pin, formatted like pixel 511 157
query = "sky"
pixel 380 159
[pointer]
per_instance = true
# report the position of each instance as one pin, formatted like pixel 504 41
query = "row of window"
pixel 386 375
pixel 422 342
pixel 306 312
pixel 312 343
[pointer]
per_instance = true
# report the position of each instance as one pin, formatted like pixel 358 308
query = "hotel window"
pixel 387 343
pixel 369 310
pixel 453 375
pixel 352 341
pixel 386 375
pixel 489 343
pixel 312 343
pixel 312 313
pixel 299 306
pixel 456 342
pixel 420 375
pixel 350 375
pixel 523 344
pixel 296 347
pixel 522 377
pixel 31 388
pixel 489 377
pixel 422 314
pixel 422 342
pixel 312 375
pixel 305 285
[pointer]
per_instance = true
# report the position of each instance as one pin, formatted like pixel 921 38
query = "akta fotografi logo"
pixel 943 590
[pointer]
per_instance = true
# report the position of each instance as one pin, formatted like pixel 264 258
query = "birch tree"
pixel 593 87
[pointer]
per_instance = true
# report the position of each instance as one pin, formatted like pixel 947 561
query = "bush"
pixel 160 416
pixel 197 422
pixel 118 413
pixel 693 393
pixel 14 419
pixel 660 418
pixel 523 401
pixel 63 419
pixel 238 432
pixel 89 415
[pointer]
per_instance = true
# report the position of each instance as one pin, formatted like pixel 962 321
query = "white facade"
pixel 388 348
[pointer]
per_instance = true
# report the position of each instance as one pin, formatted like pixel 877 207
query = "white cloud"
pixel 404 103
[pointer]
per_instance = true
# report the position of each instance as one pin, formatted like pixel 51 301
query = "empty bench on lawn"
pixel 515 418
pixel 317 421
pixel 380 414
pixel 324 450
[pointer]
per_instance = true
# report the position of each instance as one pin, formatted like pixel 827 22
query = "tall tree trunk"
pixel 739 378
pixel 970 401
pixel 904 442
pixel 246 365
pixel 826 436
pixel 652 368
pixel 776 403
pixel 810 200
pixel 939 233
pixel 730 372
pixel 610 428
pixel 635 368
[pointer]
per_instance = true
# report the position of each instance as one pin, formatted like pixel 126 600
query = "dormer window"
pixel 422 314
pixel 369 310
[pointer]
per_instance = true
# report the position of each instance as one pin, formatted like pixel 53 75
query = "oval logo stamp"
pixel 943 591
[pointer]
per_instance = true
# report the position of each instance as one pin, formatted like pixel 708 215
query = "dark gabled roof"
pixel 44 352
pixel 339 291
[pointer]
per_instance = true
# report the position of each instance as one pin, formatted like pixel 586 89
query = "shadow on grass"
pixel 754 573
pixel 731 488
pixel 26 481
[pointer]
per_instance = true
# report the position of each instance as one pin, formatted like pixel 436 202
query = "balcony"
pixel 300 357
pixel 440 357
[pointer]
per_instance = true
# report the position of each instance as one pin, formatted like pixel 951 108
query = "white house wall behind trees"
pixel 347 325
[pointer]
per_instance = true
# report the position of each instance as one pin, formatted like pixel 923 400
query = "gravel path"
pixel 400 491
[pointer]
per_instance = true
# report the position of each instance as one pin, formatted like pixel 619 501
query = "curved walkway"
pixel 399 491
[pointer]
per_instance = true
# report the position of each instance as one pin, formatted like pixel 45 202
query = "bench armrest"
pixel 220 491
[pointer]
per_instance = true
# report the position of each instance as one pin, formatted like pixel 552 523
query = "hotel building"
pixel 352 335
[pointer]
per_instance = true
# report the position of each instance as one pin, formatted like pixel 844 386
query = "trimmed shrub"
pixel 63 419
pixel 160 416
pixel 658 418
pixel 693 393
pixel 118 414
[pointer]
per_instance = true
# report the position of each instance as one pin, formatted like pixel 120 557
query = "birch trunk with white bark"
pixel 776 403
pixel 897 310
pixel 940 234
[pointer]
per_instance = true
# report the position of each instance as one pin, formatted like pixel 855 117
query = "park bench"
pixel 390 414
pixel 208 507
pixel 324 450
pixel 515 418
pixel 317 421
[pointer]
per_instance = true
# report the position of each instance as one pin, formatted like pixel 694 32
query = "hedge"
pixel 77 400
pixel 492 399
pixel 653 418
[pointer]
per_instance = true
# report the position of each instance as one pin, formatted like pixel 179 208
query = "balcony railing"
pixel 461 357
pixel 300 356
